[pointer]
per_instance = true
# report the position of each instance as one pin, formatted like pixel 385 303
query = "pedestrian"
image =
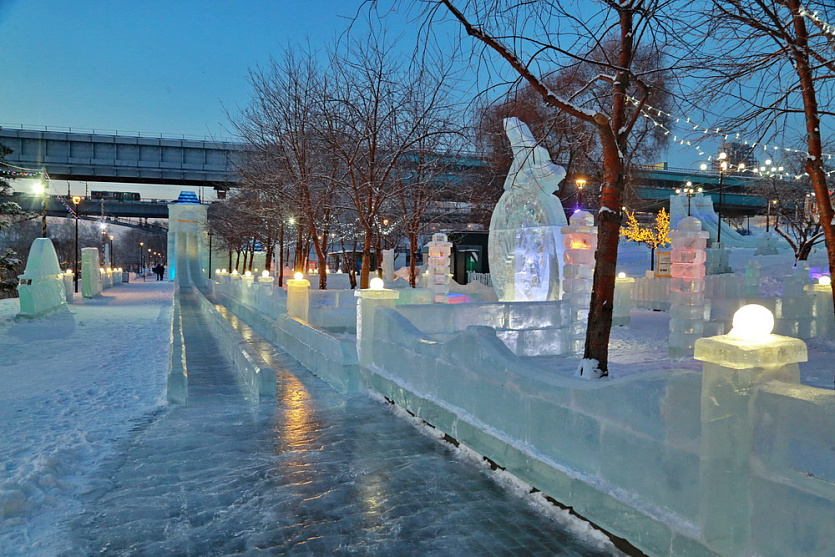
pixel 161 271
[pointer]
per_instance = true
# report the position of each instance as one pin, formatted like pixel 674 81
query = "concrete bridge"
pixel 96 157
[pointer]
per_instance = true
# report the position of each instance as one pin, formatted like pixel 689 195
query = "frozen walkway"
pixel 314 473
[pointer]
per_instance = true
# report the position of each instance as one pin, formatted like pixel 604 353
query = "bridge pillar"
pixel 187 245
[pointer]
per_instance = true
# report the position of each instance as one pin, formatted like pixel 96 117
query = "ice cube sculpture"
pixel 687 298
pixel 580 242
pixel 439 250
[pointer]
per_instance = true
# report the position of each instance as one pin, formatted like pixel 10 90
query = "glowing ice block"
pixel 41 286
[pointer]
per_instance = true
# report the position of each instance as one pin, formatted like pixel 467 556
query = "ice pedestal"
pixel 823 310
pixel 580 242
pixel 732 371
pixel 751 282
pixel 716 261
pixel 623 301
pixel 41 286
pixel 368 302
pixel 687 286
pixel 68 286
pixel 90 272
pixel 767 245
pixel 298 299
pixel 438 268
pixel 388 265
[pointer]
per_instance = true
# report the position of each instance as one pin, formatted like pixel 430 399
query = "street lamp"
pixel 768 213
pixel 689 191
pixel 112 255
pixel 142 259
pixel 581 183
pixel 723 166
pixel 42 189
pixel 103 227
pixel 76 200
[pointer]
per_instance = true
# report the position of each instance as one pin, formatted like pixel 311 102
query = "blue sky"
pixel 152 66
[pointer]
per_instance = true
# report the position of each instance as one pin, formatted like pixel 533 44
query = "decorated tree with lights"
pixel 9 210
pixel 655 236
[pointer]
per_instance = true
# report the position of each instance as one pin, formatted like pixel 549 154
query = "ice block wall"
pixel 580 241
pixel 687 287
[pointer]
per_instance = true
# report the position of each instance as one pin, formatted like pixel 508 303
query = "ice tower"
pixel 187 248
pixel 525 242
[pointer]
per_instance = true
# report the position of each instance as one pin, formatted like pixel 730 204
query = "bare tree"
pixel 776 60
pixel 288 164
pixel 378 110
pixel 539 39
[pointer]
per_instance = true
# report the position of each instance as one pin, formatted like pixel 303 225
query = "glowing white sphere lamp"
pixel 621 275
pixel 376 284
pixel 265 273
pixel 298 275
pixel 825 280
pixel 752 322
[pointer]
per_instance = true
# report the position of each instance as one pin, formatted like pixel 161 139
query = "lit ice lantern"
pixel 825 280
pixel 376 284
pixel 753 323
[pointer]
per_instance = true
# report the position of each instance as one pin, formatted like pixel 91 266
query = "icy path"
pixel 314 473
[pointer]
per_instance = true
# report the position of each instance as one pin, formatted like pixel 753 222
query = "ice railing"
pixel 527 328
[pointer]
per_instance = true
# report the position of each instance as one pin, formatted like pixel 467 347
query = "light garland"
pixel 825 27
pixel 647 110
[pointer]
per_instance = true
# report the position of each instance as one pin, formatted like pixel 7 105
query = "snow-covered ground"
pixel 70 385
pixel 73 384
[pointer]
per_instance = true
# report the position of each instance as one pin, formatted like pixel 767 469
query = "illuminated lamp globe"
pixel 217 271
pixel 69 271
pixel 825 280
pixel 248 273
pixel 265 273
pixel 234 271
pixel 376 284
pixel 223 270
pixel 298 276
pixel 752 322
pixel 621 275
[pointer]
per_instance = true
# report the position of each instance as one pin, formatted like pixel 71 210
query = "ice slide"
pixel 701 207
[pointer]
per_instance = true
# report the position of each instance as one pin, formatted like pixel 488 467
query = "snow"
pixel 71 384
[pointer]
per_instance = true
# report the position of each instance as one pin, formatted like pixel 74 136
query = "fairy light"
pixel 647 112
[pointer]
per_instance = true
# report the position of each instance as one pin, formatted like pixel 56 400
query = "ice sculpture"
pixel 298 297
pixel 41 286
pixel 580 245
pixel 623 300
pixel 90 272
pixel 438 271
pixel 187 235
pixel 734 366
pixel 687 287
pixel 525 244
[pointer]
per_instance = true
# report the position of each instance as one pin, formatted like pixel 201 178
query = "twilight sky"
pixel 157 66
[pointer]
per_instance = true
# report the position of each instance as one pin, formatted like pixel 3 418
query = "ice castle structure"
pixel 187 236
pixel 525 243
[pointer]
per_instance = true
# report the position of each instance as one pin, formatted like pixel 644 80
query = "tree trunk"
pixel 814 160
pixel 413 247
pixel 366 259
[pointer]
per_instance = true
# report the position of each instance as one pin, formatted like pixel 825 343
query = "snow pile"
pixel 71 384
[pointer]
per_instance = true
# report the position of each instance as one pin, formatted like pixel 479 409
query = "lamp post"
pixel 689 191
pixel 723 166
pixel 581 183
pixel 768 213
pixel 112 255
pixel 76 200
pixel 43 189
pixel 209 270
pixel 142 259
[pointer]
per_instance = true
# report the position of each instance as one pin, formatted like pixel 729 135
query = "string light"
pixel 647 111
